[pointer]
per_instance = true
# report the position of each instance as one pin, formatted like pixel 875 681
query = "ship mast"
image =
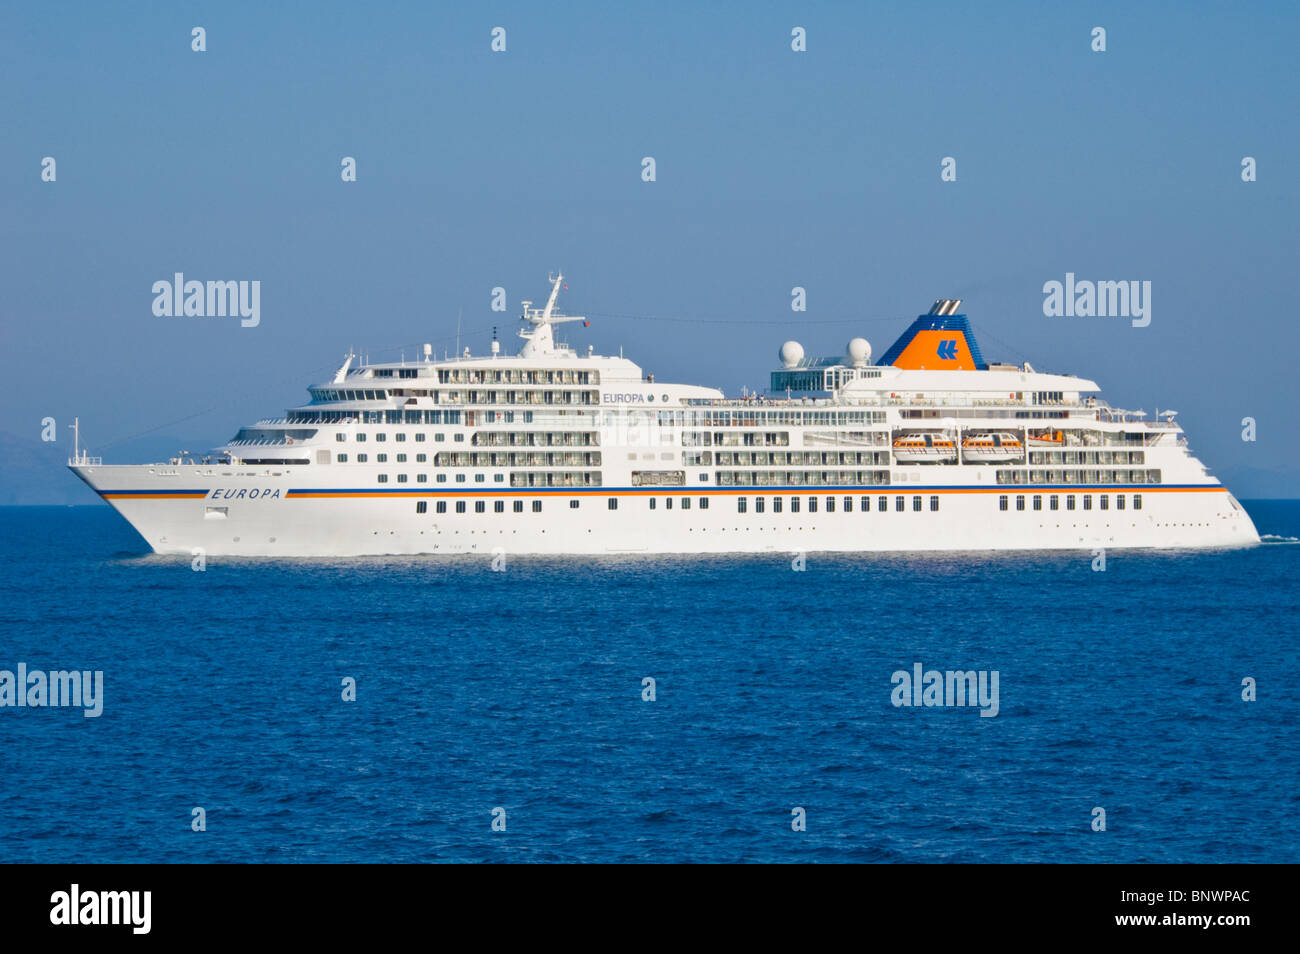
pixel 540 340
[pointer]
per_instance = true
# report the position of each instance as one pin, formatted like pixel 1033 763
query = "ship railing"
pixel 84 461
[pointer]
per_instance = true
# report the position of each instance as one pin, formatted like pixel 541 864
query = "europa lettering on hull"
pixel 932 447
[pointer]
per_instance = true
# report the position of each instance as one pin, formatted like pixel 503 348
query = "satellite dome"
pixel 791 353
pixel 859 351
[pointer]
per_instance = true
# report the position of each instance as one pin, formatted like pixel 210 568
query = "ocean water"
pixel 522 690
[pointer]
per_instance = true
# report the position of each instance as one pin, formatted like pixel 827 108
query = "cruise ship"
pixel 558 451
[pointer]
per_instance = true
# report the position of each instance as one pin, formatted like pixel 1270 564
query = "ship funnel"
pixel 945 306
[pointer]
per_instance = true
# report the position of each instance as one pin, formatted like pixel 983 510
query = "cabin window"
pixel 419 438
pixel 383 478
pixel 934 503
pixel 573 504
pixel 1054 503
pixel 864 504
pixel 668 504
pixel 916 504
pixel 652 503
pixel 537 506
pixel 422 506
pixel 613 503
pixel 777 504
pixel 830 504
pixel 401 478
pixel 381 458
pixel 1038 502
pixel 742 504
pixel 704 503
pixel 760 504
pixel 401 458
pixel 479 506
pixel 794 504
pixel 1103 502
pixel 1137 501
pixel 1020 501
pixel 381 436
pixel 1119 501
pixel 361 436
pixel 342 458
pixel 460 506
pixel 882 504
pixel 340 437
pixel 1002 502
pixel 361 458
pixel 900 504
pixel 812 504
pixel 1069 501
pixel 686 503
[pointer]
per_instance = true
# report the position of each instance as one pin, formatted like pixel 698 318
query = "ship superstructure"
pixel 555 451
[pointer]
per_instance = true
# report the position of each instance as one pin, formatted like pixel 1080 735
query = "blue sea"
pixel 522 691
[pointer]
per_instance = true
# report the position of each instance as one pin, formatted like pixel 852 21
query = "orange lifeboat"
pixel 924 449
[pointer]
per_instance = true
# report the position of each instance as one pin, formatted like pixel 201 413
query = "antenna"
pixel 458 331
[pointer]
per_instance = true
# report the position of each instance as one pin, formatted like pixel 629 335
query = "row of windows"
pixel 517 506
pixel 323 416
pixel 516 397
pixel 829 503
pixel 761 458
pixel 438 478
pixel 754 417
pixel 1079 476
pixel 736 439
pixel 1087 457
pixel 380 458
pixel 534 459
pixel 400 436
pixel 981 412
pixel 518 459
pixel 582 478
pixel 846 504
pixel 515 376
pixel 1054 501
pixel 349 394
pixel 793 478
pixel 536 439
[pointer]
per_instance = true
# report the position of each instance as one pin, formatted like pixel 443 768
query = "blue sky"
pixel 774 169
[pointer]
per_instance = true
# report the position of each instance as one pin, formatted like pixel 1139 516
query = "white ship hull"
pixel 280 521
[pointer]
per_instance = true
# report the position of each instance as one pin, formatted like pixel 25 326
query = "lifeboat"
pixel 924 449
pixel 994 448
pixel 1047 439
